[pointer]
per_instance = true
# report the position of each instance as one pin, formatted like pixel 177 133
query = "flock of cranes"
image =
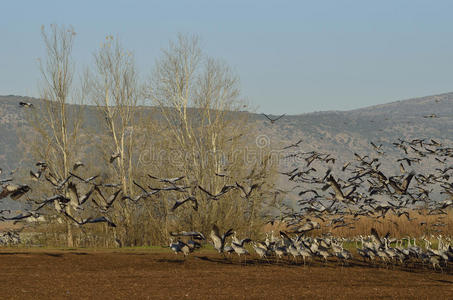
pixel 66 194
pixel 371 249
pixel 8 238
pixel 332 194
pixel 367 191
pixel 68 200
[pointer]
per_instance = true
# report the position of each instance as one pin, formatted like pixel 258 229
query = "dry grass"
pixel 420 224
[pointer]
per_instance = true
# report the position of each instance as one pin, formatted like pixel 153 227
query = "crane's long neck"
pixel 426 244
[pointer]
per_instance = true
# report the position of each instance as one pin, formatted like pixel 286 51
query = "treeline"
pixel 197 133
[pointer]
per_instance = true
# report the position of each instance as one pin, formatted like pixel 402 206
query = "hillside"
pixel 346 132
pixel 338 132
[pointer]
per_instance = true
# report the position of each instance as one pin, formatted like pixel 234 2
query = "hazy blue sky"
pixel 291 56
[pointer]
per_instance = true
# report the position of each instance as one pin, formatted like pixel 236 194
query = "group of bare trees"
pixel 184 120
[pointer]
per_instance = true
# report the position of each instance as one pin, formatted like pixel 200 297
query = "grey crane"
pixel 77 165
pixel 339 195
pixel 88 180
pixel 305 253
pixel 219 240
pixel 58 184
pixel 248 192
pixel 113 157
pixel 238 247
pixel 194 234
pixel 225 189
pixel 26 104
pixel 167 180
pixel 260 250
pixel 145 194
pixel 107 202
pixel 14 191
pixel 76 200
pixel 59 202
pixel 179 246
pixel 20 216
pixel 91 220
pixel 293 145
pixel 184 200
pixel 273 120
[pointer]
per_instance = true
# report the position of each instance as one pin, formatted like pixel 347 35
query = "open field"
pixel 157 273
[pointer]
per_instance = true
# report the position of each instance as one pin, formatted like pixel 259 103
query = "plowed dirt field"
pixel 158 274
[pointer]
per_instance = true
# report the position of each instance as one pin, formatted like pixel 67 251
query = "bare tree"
pixel 205 135
pixel 114 89
pixel 56 121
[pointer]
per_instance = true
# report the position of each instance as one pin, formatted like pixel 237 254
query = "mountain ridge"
pixel 340 133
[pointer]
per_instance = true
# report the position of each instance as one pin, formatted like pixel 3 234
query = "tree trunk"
pixel 69 236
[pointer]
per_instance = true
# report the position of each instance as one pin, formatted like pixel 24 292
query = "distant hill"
pixel 346 132
pixel 338 132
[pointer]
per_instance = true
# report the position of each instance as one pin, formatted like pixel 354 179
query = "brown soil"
pixel 142 274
